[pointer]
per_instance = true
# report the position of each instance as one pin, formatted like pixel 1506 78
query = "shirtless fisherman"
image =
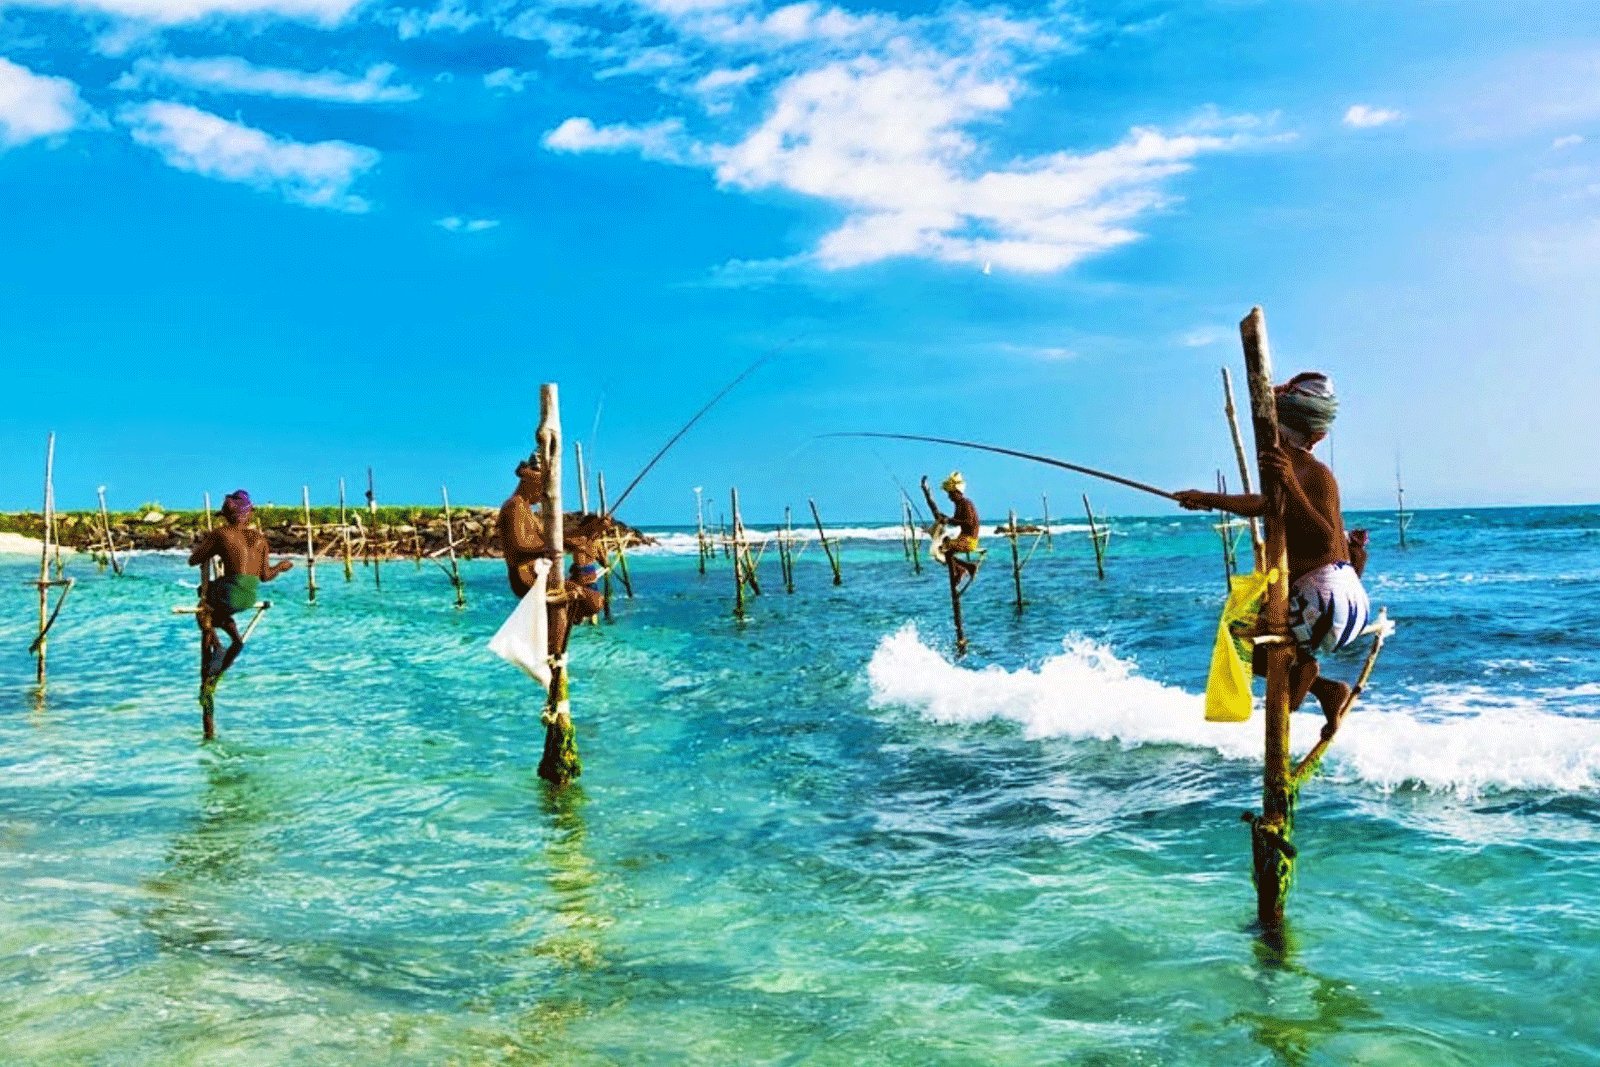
pixel 523 542
pixel 965 518
pixel 1328 605
pixel 245 565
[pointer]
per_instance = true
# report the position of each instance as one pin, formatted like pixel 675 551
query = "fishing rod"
pixel 751 369
pixel 1063 464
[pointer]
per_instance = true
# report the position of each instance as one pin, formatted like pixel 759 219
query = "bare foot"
pixel 1332 696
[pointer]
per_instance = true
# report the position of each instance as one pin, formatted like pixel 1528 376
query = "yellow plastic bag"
pixel 1228 687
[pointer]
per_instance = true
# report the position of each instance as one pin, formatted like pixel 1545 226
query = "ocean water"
pixel 810 837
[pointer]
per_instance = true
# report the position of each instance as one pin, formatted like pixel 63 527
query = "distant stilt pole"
pixel 1016 556
pixel 605 553
pixel 208 512
pixel 48 513
pixel 1098 537
pixel 828 547
pixel 456 583
pixel 913 536
pixel 700 530
pixel 372 536
pixel 787 550
pixel 1401 518
pixel 1230 562
pixel 1256 547
pixel 622 548
pixel 905 532
pixel 1049 538
pixel 738 559
pixel 1272 853
pixel 583 479
pixel 105 528
pixel 344 533
pixel 560 763
pixel 311 546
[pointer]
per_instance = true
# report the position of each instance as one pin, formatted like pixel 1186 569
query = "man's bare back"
pixel 243 549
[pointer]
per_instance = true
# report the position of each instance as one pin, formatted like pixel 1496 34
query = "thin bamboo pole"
pixel 583 479
pixel 311 546
pixel 450 542
pixel 905 534
pixel 1272 853
pixel 913 535
pixel 208 512
pixel 954 571
pixel 105 527
pixel 622 548
pixel 787 555
pixel 827 546
pixel 372 541
pixel 1099 539
pixel 344 534
pixel 1049 538
pixel 1230 562
pixel 560 763
pixel 1256 546
pixel 1016 556
pixel 738 557
pixel 1401 518
pixel 700 529
pixel 41 645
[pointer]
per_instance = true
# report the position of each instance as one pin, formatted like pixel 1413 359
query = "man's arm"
pixel 1278 461
pixel 1249 505
pixel 204 548
pixel 270 570
pixel 519 534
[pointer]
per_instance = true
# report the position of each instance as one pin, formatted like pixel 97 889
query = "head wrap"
pixel 238 502
pixel 954 484
pixel 1307 404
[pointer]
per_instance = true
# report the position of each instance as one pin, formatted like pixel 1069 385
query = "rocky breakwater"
pixel 393 533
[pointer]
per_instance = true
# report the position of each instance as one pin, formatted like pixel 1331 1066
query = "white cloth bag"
pixel 524 638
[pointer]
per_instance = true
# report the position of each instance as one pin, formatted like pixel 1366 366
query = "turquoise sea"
pixel 810 837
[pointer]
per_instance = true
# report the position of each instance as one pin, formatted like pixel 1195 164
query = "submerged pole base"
pixel 560 763
pixel 1272 868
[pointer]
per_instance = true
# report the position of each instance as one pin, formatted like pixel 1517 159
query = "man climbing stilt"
pixel 965 539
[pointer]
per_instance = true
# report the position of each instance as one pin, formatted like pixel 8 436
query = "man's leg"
pixel 1305 678
pixel 236 645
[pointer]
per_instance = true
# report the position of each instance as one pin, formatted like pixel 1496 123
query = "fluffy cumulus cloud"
pixel 231 74
pixel 35 105
pixel 172 12
pixel 317 175
pixel 1367 117
pixel 892 121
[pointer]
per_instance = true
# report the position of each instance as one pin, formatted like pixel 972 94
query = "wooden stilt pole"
pixel 583 479
pixel 208 512
pixel 622 548
pixel 1256 546
pixel 311 546
pixel 1049 538
pixel 700 529
pixel 1016 556
pixel 344 533
pixel 905 532
pixel 372 542
pixel 913 536
pixel 954 570
pixel 560 763
pixel 450 543
pixel 827 546
pixel 1097 536
pixel 42 642
pixel 1272 853
pixel 787 545
pixel 738 558
pixel 105 528
pixel 1401 518
pixel 1230 562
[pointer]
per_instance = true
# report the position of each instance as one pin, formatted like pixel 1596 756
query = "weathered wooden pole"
pixel 905 532
pixel 208 512
pixel 450 543
pixel 41 643
pixel 1401 518
pixel 560 763
pixel 788 549
pixel 954 570
pixel 622 548
pixel 344 533
pixel 105 527
pixel 1271 851
pixel 700 529
pixel 311 546
pixel 1016 556
pixel 1099 539
pixel 913 536
pixel 827 547
pixel 372 543
pixel 738 558
pixel 1049 538
pixel 1256 546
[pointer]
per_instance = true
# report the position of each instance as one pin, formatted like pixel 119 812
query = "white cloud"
pixel 657 140
pixel 230 74
pixel 725 78
pixel 35 105
pixel 1571 140
pixel 1204 337
pixel 1366 117
pixel 172 12
pixel 457 224
pixel 508 80
pixel 317 175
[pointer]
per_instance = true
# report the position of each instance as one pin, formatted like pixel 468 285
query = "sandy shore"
pixel 12 544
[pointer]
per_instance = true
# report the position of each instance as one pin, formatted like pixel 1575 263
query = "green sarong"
pixel 233 593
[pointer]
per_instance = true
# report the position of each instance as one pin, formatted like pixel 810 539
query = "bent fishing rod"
pixel 1033 456
pixel 751 369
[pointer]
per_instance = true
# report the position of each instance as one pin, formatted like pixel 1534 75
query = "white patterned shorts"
pixel 1328 608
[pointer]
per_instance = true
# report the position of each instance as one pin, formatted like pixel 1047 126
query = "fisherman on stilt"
pixel 965 539
pixel 246 564
pixel 1328 606
pixel 523 542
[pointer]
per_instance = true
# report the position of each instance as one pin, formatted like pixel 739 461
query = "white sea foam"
pixel 684 544
pixel 1467 741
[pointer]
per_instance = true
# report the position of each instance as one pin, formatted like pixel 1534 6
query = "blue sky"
pixel 271 242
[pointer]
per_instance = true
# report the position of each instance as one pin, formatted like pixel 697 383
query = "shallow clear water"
pixel 809 838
